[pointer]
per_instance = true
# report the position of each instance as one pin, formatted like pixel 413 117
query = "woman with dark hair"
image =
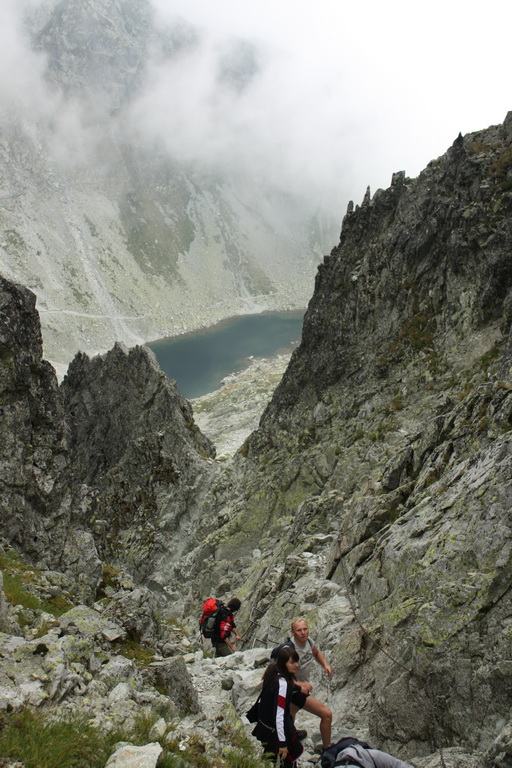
pixel 275 727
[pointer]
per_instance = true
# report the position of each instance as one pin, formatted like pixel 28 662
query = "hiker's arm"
pixel 230 645
pixel 317 653
pixel 304 685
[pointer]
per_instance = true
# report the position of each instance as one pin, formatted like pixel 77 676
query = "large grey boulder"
pixel 173 676
pixel 87 622
pixel 128 756
pixel 139 612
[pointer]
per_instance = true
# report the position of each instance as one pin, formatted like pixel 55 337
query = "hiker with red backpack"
pixel 217 622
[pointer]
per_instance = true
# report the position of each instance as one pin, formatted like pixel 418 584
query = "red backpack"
pixel 210 617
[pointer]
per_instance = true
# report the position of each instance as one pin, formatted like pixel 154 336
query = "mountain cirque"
pixel 374 497
pixel 120 241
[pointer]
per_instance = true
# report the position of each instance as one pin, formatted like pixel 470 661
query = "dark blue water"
pixel 200 360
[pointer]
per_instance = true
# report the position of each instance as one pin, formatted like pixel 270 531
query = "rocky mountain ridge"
pixel 374 497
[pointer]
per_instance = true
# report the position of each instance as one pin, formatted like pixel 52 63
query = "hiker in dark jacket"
pixel 221 640
pixel 354 755
pixel 275 727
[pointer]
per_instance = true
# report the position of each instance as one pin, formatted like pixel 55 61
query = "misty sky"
pixel 347 93
pixel 365 89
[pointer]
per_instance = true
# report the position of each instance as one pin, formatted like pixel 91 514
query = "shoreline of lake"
pixel 200 359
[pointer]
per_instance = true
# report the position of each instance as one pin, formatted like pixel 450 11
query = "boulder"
pixel 173 676
pixel 128 756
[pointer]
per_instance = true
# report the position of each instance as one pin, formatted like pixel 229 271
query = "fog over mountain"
pixel 168 164
pixel 121 233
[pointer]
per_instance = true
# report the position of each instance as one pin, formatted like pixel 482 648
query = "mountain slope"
pixel 374 498
pixel 383 460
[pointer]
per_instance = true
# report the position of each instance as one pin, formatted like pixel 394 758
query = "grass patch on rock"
pixel 41 743
pixel 18 577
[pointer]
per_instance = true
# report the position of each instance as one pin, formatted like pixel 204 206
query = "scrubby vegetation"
pixel 30 737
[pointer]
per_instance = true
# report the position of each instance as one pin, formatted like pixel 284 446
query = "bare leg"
pixel 322 711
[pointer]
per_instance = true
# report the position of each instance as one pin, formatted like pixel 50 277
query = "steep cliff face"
pixel 420 269
pixel 375 496
pixel 390 433
pixel 140 463
pixel 110 463
pixel 35 436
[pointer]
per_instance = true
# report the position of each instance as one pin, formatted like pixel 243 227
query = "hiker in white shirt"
pixel 308 651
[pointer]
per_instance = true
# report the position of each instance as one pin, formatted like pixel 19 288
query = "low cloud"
pixel 69 127
pixel 321 100
pixel 346 94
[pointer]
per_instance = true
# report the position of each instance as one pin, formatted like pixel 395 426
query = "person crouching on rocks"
pixel 221 640
pixel 354 753
pixel 275 727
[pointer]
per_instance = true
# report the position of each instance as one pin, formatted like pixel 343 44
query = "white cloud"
pixel 21 84
pixel 355 91
pixel 347 93
pixel 70 128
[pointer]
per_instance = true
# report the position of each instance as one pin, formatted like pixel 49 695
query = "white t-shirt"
pixel 305 658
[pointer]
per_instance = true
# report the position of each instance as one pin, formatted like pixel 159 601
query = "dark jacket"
pixel 226 625
pixel 275 727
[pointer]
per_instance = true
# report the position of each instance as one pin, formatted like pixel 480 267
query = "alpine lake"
pixel 200 360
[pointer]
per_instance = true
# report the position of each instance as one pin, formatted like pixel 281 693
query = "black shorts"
pixel 298 698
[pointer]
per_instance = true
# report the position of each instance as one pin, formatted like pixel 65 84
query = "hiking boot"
pixel 319 748
pixel 301 735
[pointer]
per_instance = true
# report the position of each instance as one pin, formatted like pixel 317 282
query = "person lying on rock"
pixel 275 728
pixel 221 639
pixel 353 753
pixel 308 651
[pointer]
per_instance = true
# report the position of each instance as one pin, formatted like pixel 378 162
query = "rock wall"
pixel 374 498
pixel 139 455
pixel 34 445
pixel 382 464
pixel 110 462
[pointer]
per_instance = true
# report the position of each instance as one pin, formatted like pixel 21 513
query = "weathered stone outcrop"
pixel 420 268
pixel 34 436
pixel 374 498
pixel 390 431
pixel 138 453
pixel 111 461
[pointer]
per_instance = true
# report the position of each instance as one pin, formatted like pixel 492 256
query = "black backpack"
pixel 287 644
pixel 329 755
